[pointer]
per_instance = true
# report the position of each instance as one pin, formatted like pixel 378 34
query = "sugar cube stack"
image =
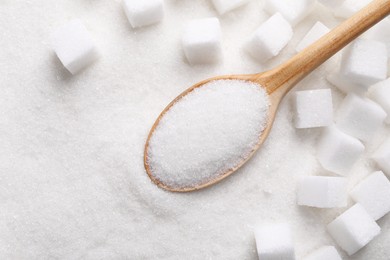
pixel 74 46
pixel 345 85
pixel 274 242
pixel 381 32
pixel 313 108
pixel 294 11
pixel 270 38
pixel 365 62
pixel 359 117
pixel 201 41
pixel 143 13
pixel 337 152
pixel 324 253
pixel 382 157
pixel 353 229
pixel 350 7
pixel 380 93
pixel 322 192
pixel 316 32
pixel 224 6
pixel 373 193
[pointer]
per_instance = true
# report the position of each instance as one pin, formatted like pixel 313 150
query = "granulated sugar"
pixel 72 179
pixel 207 132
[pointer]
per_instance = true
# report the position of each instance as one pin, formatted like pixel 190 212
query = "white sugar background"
pixel 72 182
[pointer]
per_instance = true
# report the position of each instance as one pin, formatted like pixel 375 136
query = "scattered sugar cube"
pixel 322 192
pixel 345 85
pixel 324 253
pixel 202 41
pixel 270 38
pixel 143 13
pixel 293 11
pixel 373 193
pixel 315 33
pixel 74 47
pixel 331 3
pixel 353 229
pixel 274 242
pixel 359 117
pixel 381 32
pixel 314 108
pixel 380 93
pixel 224 6
pixel 350 7
pixel 382 157
pixel 337 151
pixel 365 62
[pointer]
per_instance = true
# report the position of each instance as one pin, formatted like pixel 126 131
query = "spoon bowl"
pixel 274 98
pixel 277 82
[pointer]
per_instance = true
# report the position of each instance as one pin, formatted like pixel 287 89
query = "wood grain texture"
pixel 280 80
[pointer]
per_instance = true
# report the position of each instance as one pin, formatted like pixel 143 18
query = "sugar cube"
pixel 322 192
pixel 359 117
pixel 74 47
pixel 345 85
pixel 365 62
pixel 330 3
pixel 143 13
pixel 381 32
pixel 337 151
pixel 350 7
pixel 270 38
pixel 293 11
pixel 324 253
pixel 274 242
pixel 315 33
pixel 224 6
pixel 380 93
pixel 382 157
pixel 373 193
pixel 314 108
pixel 202 41
pixel 353 229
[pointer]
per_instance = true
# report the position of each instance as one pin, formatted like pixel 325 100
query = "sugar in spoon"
pixel 277 82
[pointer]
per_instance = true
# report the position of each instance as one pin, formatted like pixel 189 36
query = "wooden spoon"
pixel 280 80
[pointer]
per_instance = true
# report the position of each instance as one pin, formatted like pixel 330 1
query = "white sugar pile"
pixel 207 132
pixel 72 179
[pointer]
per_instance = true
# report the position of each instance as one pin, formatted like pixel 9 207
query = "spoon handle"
pixel 285 76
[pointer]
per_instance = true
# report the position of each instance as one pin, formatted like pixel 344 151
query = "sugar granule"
pixel 207 132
